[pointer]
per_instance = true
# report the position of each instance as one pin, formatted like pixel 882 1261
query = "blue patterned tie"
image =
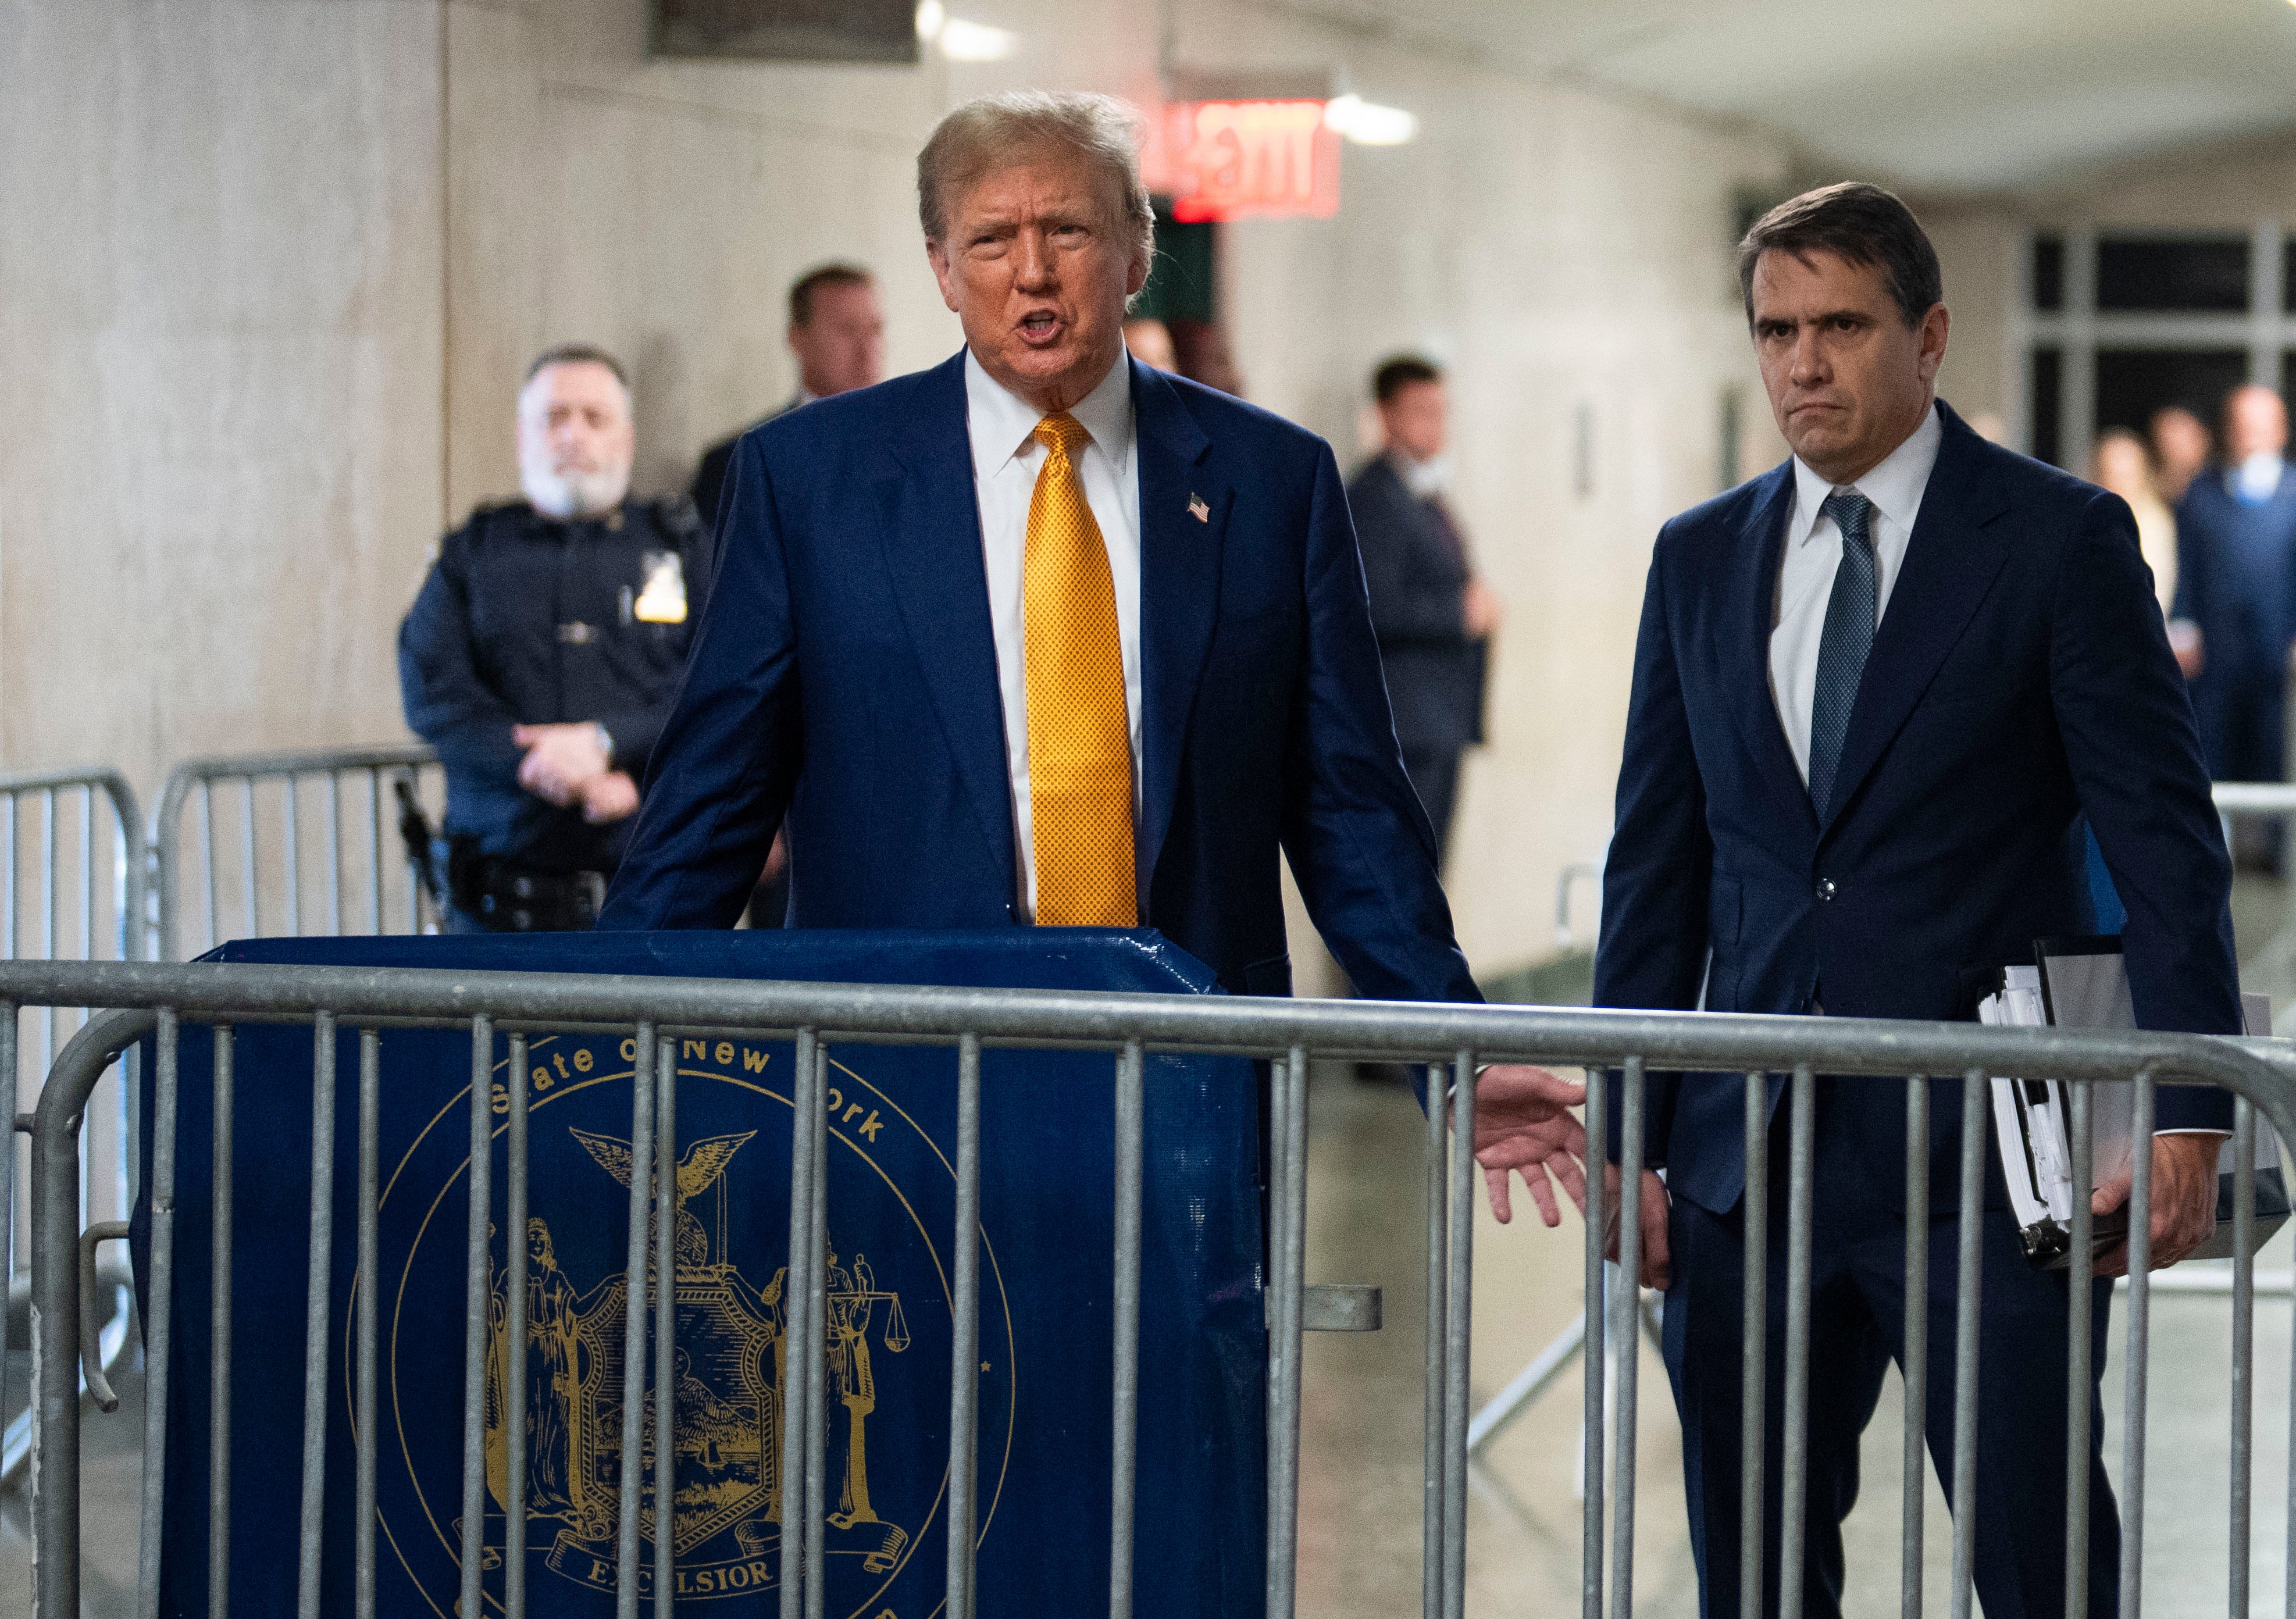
pixel 1850 613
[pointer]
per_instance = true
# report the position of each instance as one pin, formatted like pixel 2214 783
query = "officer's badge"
pixel 663 599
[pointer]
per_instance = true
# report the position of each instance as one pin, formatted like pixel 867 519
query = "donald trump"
pixel 1043 637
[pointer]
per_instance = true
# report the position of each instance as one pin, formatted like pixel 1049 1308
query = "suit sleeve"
pixel 722 773
pixel 1406 609
pixel 1359 844
pixel 449 701
pixel 2135 753
pixel 1652 955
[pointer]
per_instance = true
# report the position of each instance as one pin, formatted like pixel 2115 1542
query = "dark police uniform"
pixel 527 620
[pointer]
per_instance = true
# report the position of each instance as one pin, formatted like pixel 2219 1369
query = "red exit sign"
pixel 1232 159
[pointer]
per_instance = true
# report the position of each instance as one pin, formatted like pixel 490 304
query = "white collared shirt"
pixel 2256 479
pixel 1006 461
pixel 1813 555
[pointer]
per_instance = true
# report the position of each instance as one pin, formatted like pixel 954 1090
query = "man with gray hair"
pixel 1043 636
pixel 540 656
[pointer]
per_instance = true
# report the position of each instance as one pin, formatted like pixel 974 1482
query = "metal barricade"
pixel 1453 1041
pixel 289 843
pixel 71 887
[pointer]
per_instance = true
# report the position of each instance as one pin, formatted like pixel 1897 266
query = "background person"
pixel 1042 636
pixel 540 656
pixel 837 332
pixel 2122 463
pixel 2236 590
pixel 1857 759
pixel 1431 612
pixel 2180 449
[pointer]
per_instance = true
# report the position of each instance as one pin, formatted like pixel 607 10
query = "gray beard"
pixel 566 495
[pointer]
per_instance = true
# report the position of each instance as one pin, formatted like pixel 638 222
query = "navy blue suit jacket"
pixel 2020 678
pixel 2236 574
pixel 846 675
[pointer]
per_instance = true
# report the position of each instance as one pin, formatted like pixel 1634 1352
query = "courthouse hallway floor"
pixel 1361 1412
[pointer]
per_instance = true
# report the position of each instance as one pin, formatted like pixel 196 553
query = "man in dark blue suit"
pixel 1042 635
pixel 1877 692
pixel 2236 589
pixel 1431 612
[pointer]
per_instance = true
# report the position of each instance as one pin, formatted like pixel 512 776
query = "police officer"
pixel 541 656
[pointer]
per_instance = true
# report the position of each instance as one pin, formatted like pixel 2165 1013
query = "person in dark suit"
pixel 837 332
pixel 1432 613
pixel 2237 591
pixel 1877 693
pixel 1042 636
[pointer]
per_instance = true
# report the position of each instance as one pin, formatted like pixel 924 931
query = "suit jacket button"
pixel 1825 887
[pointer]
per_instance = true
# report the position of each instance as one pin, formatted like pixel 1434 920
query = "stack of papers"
pixel 2083 983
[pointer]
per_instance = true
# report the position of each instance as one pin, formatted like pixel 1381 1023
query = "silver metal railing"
pixel 1453 1041
pixel 71 887
pixel 288 843
pixel 2254 797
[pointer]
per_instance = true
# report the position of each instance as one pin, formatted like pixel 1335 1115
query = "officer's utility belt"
pixel 506 896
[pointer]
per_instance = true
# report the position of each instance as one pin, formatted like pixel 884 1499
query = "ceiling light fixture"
pixel 1369 123
pixel 962 41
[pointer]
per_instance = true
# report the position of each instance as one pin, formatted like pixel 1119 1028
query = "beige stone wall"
pixel 272 269
pixel 1978 246
pixel 220 333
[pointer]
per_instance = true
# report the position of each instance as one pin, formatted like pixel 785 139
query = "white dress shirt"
pixel 1006 461
pixel 1813 555
pixel 2256 479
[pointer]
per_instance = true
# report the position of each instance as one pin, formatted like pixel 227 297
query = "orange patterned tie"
pixel 1079 746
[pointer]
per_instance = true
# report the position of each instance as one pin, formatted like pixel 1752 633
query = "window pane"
pixel 2202 273
pixel 2132 383
pixel 2048 273
pixel 2048 367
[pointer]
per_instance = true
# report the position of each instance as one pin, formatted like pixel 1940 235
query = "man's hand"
pixel 1654 1258
pixel 1523 1124
pixel 1480 610
pixel 609 798
pixel 560 760
pixel 2184 1200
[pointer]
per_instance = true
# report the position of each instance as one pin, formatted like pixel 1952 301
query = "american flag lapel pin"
pixel 1198 510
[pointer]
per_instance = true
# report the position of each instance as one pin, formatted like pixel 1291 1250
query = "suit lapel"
pixel 932 523
pixel 1951 563
pixel 1184 513
pixel 1746 626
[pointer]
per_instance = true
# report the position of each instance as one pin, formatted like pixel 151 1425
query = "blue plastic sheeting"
pixel 1047 1222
